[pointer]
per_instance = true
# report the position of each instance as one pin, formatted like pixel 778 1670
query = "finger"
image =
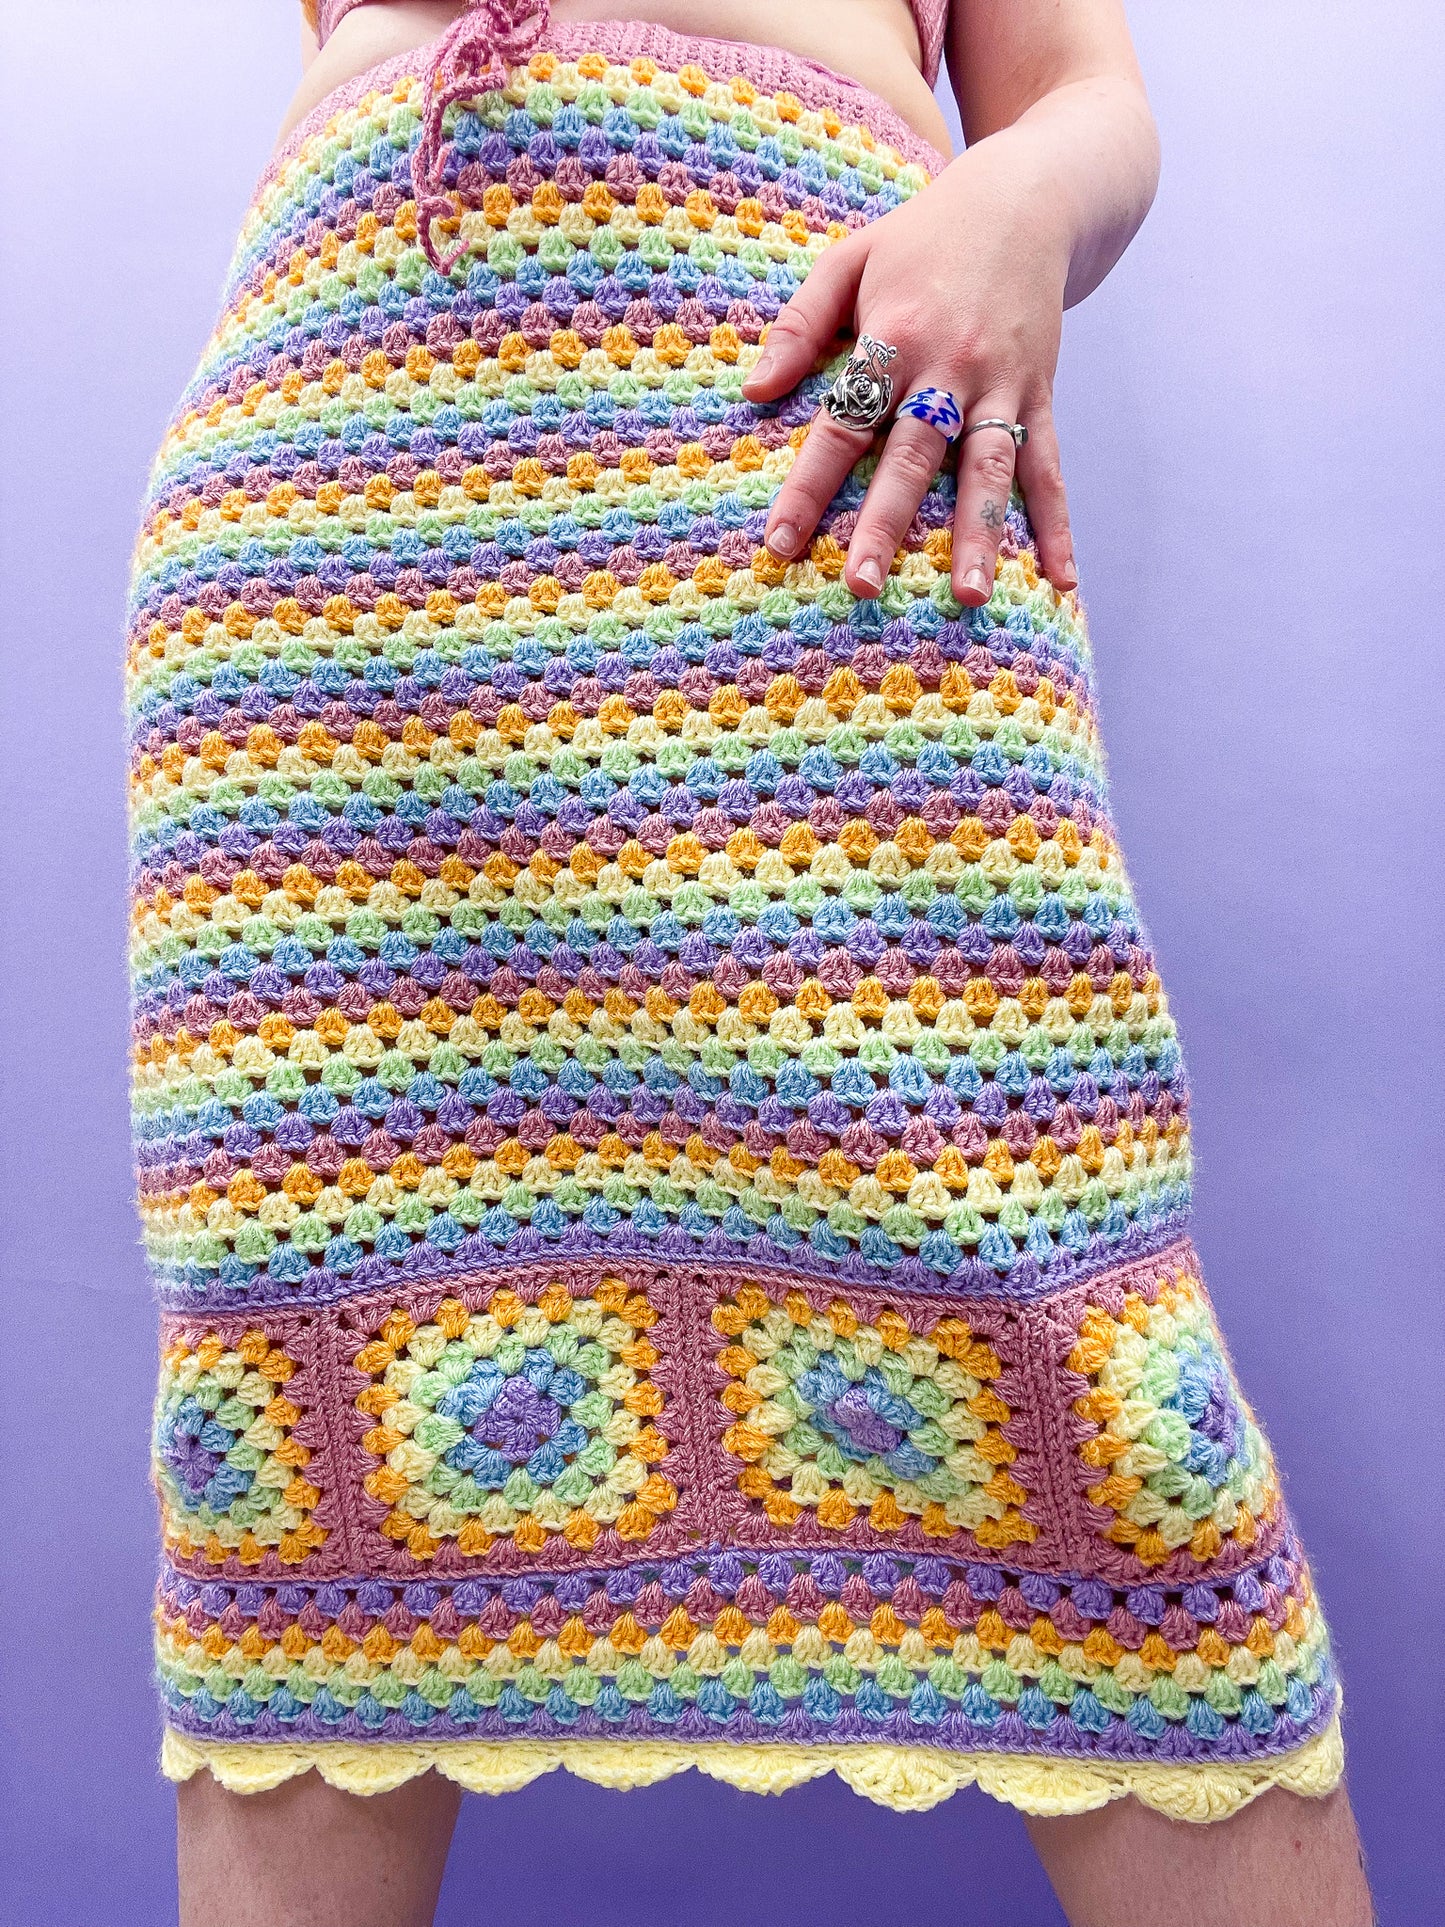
pixel 819 470
pixel 985 476
pixel 804 327
pixel 910 460
pixel 1042 481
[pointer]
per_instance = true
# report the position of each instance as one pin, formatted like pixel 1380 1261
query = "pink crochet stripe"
pixel 772 69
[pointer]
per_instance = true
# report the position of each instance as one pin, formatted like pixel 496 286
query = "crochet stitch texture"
pixel 662 1145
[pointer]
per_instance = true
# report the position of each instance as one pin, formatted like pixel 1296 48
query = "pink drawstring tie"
pixel 472 56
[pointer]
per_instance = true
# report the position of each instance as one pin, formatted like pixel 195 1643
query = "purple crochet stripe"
pixel 725 1570
pixel 953 1733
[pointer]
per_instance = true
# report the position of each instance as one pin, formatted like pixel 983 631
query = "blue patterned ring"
pixel 936 407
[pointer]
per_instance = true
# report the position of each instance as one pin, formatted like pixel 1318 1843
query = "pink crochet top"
pixel 930 16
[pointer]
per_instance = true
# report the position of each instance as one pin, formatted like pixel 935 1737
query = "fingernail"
pixel 1069 574
pixel 976 582
pixel 868 571
pixel 783 540
pixel 760 368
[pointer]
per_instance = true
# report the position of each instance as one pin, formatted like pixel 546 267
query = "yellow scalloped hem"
pixel 909 1779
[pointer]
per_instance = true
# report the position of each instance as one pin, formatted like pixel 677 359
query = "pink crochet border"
pixel 1033 1342
pixel 772 69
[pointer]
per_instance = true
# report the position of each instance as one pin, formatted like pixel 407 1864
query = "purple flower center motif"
pixel 1206 1398
pixel 192 1464
pixel 518 1420
pixel 1222 1420
pixel 863 1425
pixel 864 1419
pixel 193 1445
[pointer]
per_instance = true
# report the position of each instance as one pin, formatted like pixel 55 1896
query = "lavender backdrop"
pixel 1252 413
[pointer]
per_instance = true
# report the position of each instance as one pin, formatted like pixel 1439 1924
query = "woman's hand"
pixel 967 280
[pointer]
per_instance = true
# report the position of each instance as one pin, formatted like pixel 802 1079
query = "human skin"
pixel 306 1855
pixel 969 280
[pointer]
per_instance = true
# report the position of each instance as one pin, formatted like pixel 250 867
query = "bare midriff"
pixel 871 41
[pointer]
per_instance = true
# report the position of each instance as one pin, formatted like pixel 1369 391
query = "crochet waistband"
pixel 468 56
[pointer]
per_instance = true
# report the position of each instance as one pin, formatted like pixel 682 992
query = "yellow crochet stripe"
pixel 909 1779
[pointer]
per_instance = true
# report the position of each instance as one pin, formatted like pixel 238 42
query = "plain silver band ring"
pixel 1017 432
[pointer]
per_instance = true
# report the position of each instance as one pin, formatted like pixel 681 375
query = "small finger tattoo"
pixel 991 515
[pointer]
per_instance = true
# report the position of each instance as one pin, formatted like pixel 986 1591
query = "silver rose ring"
pixel 862 393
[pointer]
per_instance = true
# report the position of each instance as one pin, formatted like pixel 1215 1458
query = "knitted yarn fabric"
pixel 661 1141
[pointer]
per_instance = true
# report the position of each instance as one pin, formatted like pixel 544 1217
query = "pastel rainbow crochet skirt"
pixel 663 1149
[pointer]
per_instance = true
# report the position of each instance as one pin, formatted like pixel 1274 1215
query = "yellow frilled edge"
pixel 909 1779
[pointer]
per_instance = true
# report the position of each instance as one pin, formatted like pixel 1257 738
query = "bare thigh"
pixel 305 1855
pixel 1284 1861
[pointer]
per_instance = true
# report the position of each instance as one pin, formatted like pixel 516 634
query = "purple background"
pixel 1251 415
